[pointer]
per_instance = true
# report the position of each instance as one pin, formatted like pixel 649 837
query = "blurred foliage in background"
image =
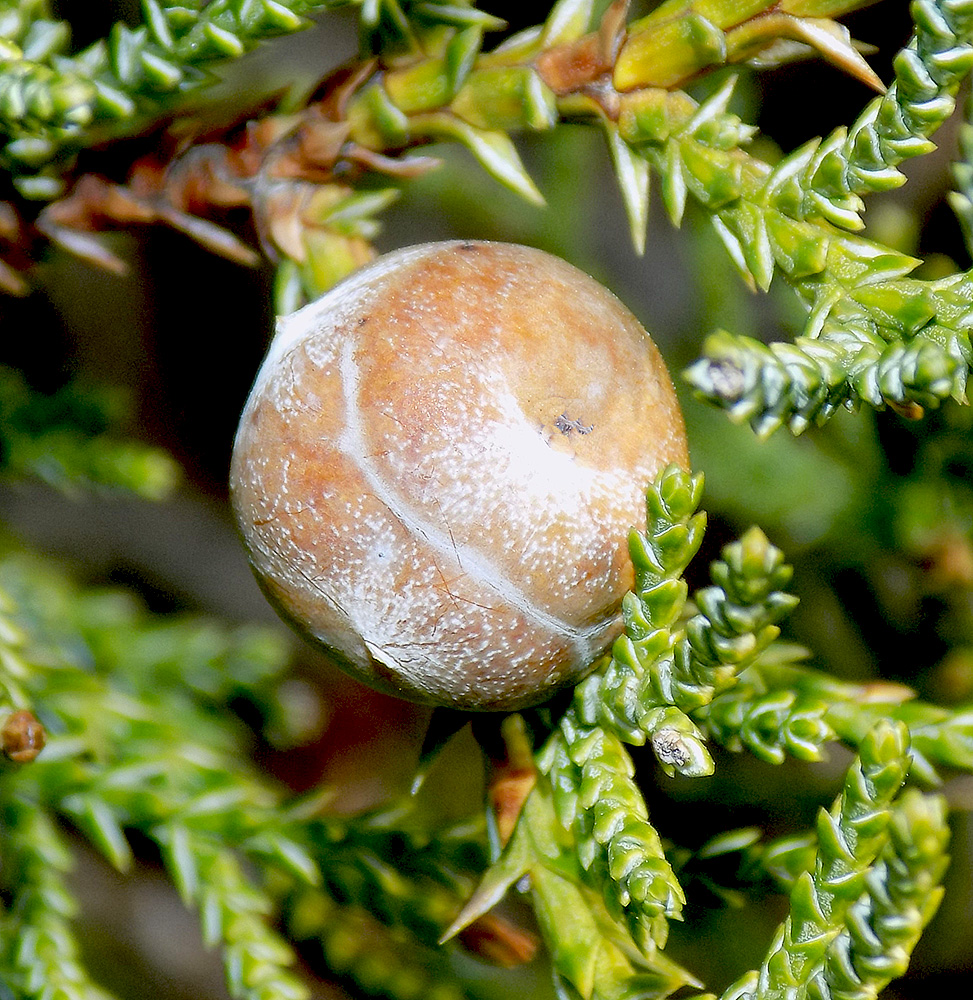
pixel 192 803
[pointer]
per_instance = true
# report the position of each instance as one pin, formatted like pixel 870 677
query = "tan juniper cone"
pixel 440 462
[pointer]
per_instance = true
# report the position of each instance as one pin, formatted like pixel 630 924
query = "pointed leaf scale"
pixel 180 860
pixel 567 22
pixel 734 248
pixel 460 55
pixel 673 182
pixel 570 926
pixel 495 151
pixel 632 172
pixel 515 861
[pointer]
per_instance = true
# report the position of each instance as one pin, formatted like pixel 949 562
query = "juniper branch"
pixel 389 886
pixel 39 954
pixel 233 914
pixel 50 100
pixel 827 177
pixel 865 315
pixel 783 707
pixel 902 342
pixel 941 738
pixel 611 697
pixel 805 382
pixel 589 772
pixel 902 894
pixel 657 675
pixel 862 308
pixel 592 952
pixel 736 620
pixel 696 149
pixel 770 725
pixel 448 88
pixel 595 795
pixel 850 837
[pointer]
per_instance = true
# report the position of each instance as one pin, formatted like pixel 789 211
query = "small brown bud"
pixel 23 736
pixel 908 410
pixel 498 941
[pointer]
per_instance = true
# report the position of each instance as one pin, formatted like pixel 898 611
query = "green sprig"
pixel 902 894
pixel 771 725
pixel 64 100
pixel 850 836
pixel 826 177
pixel 805 382
pixel 736 620
pixel 657 674
pixel 593 953
pixel 233 915
pixel 941 738
pixel 781 707
pixel 873 334
pixel 618 697
pixel 39 954
pixel 595 795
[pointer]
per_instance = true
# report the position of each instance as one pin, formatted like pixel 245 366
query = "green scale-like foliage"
pixel 902 892
pixel 613 696
pixel 595 795
pixel 781 707
pixel 850 837
pixel 120 758
pixel 826 177
pixel 772 725
pixel 873 334
pixel 658 672
pixel 135 743
pixel 52 102
pixel 40 955
pixel 50 99
pixel 605 858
